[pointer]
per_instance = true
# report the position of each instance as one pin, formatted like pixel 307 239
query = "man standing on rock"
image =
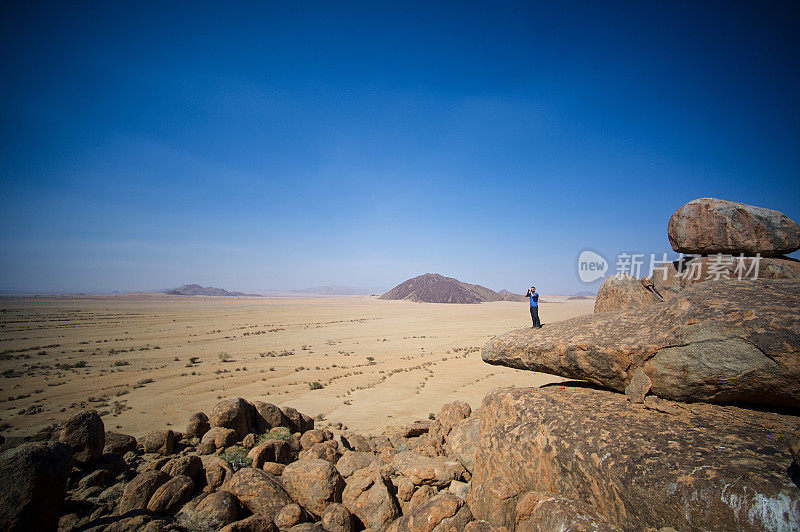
pixel 534 306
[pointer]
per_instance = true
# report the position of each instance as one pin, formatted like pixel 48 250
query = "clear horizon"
pixel 283 146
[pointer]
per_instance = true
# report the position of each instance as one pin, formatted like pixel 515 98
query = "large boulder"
pixel 159 441
pixel 337 518
pixel 352 461
pixel 420 469
pixel 213 512
pixel 138 491
pixel 269 451
pixel 86 436
pixel 268 416
pixel 198 425
pixel 709 225
pixel 442 512
pixel 120 444
pixel 170 496
pixel 313 483
pixel 235 414
pixel 217 471
pixel 298 422
pixel 259 491
pixel 368 496
pixel 220 437
pixel 189 465
pixel 622 292
pixel 708 467
pixel 462 441
pixel 33 483
pixel 716 342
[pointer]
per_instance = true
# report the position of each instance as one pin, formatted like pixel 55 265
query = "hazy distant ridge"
pixel 339 291
pixel 435 288
pixel 197 290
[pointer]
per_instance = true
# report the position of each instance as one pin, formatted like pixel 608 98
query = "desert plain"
pixel 147 360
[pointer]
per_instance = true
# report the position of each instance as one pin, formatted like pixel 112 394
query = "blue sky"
pixel 295 144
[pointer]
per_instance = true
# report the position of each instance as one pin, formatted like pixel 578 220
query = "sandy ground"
pixel 379 363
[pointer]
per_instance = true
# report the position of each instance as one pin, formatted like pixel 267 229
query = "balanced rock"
pixel 622 292
pixel 85 435
pixel 726 341
pixel 709 225
pixel 636 468
pixel 313 483
pixel 33 483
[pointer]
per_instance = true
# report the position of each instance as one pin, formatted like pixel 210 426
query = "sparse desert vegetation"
pixel 358 361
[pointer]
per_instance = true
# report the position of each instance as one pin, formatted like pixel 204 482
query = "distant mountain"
pixel 435 288
pixel 338 291
pixel 197 290
pixel 505 295
pixel 584 294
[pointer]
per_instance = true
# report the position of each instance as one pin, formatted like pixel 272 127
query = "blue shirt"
pixel 534 299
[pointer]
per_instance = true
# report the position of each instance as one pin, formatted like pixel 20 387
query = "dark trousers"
pixel 535 317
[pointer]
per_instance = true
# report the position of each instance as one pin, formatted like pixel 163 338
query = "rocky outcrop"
pixel 33 482
pixel 707 467
pixel 716 342
pixel 622 292
pixel 709 225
